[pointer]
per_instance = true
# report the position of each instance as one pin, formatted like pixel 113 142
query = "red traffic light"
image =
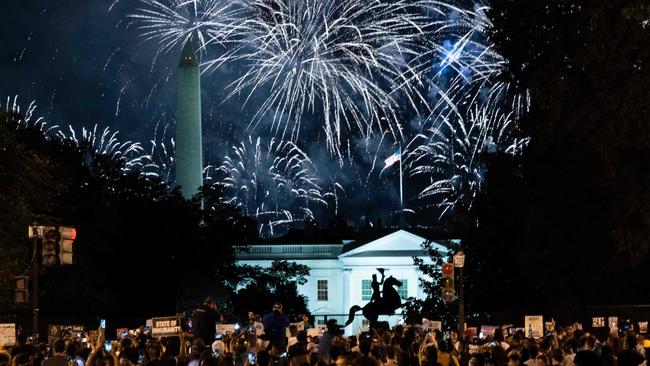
pixel 448 269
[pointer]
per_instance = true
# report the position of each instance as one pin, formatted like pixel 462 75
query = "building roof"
pixel 378 243
pixel 399 242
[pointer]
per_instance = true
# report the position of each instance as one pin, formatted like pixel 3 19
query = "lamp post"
pixel 459 262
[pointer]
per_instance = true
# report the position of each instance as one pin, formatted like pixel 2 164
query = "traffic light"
pixel 50 246
pixel 67 235
pixel 447 283
pixel 21 292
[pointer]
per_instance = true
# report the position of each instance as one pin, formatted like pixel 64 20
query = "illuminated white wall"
pixel 344 272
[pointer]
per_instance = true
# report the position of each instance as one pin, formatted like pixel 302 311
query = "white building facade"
pixel 341 273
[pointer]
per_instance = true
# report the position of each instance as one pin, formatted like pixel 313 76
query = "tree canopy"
pixel 141 250
pixel 569 221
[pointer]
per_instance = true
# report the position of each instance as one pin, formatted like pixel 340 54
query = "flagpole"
pixel 401 200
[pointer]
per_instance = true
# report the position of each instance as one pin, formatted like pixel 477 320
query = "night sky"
pixel 85 63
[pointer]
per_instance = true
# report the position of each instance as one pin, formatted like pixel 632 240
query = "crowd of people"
pixel 282 344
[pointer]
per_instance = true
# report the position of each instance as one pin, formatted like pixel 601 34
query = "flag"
pixel 393 158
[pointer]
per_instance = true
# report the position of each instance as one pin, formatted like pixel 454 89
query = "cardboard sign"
pixel 534 326
pixel 56 331
pixel 7 334
pixel 431 325
pixel 612 321
pixel 643 327
pixel 225 329
pixel 166 327
pixel 598 322
pixel 488 330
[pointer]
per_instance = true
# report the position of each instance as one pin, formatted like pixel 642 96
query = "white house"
pixel 341 273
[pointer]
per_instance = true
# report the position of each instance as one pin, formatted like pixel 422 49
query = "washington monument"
pixel 189 143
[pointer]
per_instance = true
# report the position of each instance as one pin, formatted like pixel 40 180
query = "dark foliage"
pixel 568 225
pixel 141 251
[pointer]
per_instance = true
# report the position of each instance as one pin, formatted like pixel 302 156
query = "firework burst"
pixel 176 22
pixel 351 63
pixel 133 155
pixel 274 182
pixel 450 157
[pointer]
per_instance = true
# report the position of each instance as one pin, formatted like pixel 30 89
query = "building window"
pixel 322 290
pixel 366 290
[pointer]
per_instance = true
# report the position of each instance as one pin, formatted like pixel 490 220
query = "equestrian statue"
pixel 383 302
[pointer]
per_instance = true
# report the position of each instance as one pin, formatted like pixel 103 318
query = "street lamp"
pixel 459 262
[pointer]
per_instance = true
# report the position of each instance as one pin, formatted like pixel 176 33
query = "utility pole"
pixel 35 286
pixel 459 262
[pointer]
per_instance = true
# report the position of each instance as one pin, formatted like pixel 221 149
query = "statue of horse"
pixel 388 303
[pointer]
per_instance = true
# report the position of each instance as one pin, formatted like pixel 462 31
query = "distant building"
pixel 341 272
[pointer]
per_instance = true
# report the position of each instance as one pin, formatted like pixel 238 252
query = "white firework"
pixel 450 157
pixel 99 141
pixel 176 22
pixel 274 182
pixel 354 64
pixel 26 118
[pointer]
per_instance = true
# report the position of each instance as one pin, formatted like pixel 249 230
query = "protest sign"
pixel 226 329
pixel 56 331
pixel 488 330
pixel 612 321
pixel 598 322
pixel 166 326
pixel 643 327
pixel 534 326
pixel 7 334
pixel 431 325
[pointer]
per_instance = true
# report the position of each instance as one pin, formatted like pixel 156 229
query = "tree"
pixel 432 307
pixel 142 250
pixel 261 287
pixel 583 197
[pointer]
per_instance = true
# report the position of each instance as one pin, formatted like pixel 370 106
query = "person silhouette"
pixel 376 292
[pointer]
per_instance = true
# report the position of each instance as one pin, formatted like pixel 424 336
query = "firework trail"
pixel 349 61
pixel 450 156
pixel 273 182
pixel 175 22
pixel 355 65
pixel 356 69
pixel 473 115
pixel 28 118
pixel 104 142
